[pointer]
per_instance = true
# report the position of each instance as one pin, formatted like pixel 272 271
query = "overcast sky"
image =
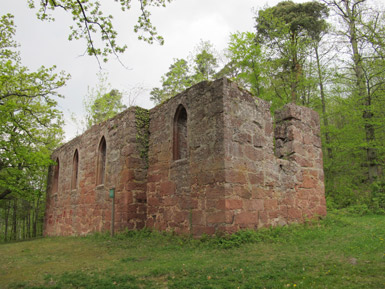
pixel 183 23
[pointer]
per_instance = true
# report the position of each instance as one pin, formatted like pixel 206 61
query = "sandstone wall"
pixel 272 178
pixel 183 193
pixel 212 159
pixel 87 208
pixel 238 171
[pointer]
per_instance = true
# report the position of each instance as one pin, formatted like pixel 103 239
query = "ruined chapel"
pixel 209 159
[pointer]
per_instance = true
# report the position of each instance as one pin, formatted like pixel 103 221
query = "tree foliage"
pixel 30 123
pixel 92 24
pixel 287 29
pixel 246 61
pixel 174 81
pixel 334 64
pixel 30 128
pixel 102 103
pixel 204 62
pixel 182 74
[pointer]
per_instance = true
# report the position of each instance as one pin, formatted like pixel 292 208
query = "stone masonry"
pixel 211 160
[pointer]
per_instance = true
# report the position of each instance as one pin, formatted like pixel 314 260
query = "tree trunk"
pixel 323 102
pixel 36 217
pixel 14 220
pixel 29 224
pixel 6 221
pixel 364 96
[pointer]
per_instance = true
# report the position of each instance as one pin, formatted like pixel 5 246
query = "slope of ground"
pixel 338 252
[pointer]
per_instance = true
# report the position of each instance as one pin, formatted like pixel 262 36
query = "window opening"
pixel 55 182
pixel 75 171
pixel 180 133
pixel 101 167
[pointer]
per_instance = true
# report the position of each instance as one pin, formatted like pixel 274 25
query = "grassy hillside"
pixel 338 252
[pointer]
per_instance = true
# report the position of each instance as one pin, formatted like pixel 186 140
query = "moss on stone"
pixel 142 117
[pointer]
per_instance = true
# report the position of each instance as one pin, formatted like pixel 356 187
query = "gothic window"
pixel 55 181
pixel 101 166
pixel 75 171
pixel 180 134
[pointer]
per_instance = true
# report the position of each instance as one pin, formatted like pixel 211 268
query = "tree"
pixel 182 74
pixel 360 26
pixel 30 128
pixel 286 29
pixel 204 62
pixel 246 62
pixel 91 22
pixel 100 104
pixel 174 81
pixel 30 122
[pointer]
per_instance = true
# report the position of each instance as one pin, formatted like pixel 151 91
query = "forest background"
pixel 328 55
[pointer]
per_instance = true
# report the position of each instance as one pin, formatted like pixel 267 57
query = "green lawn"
pixel 338 252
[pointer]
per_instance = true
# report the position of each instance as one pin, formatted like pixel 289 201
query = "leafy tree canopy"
pixel 30 124
pixel 201 65
pixel 286 30
pixel 102 102
pixel 90 22
pixel 296 19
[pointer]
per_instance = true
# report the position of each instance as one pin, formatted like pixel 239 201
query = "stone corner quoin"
pixel 207 160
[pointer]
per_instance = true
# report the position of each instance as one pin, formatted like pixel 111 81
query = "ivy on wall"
pixel 142 117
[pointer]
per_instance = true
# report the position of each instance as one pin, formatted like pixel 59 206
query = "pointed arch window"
pixel 55 181
pixel 101 166
pixel 75 171
pixel 180 134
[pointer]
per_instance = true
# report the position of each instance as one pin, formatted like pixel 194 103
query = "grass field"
pixel 338 252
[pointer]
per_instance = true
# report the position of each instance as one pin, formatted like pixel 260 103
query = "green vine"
pixel 142 117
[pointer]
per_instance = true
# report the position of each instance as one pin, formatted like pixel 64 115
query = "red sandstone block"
pixel 254 205
pixel 293 133
pixel 198 217
pixel 204 178
pixel 181 217
pixel 246 218
pixel 294 213
pixel 253 153
pixel 233 149
pixel 228 229
pixel 309 182
pixel 220 217
pixel 288 201
pixel 270 204
pixel 268 128
pixel 256 179
pixel 320 210
pixel 200 230
pixel 219 176
pixel 241 191
pixel 235 177
pixel 308 139
pixel 154 177
pixel 167 188
pixel 188 203
pixel 141 197
pixel 229 204
pixel 151 210
pixel 259 141
pixel 304 194
pixel 242 138
pixel 131 186
pixel 215 192
pixel 169 201
pixel 126 175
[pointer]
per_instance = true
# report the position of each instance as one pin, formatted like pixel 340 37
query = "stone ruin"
pixel 208 160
